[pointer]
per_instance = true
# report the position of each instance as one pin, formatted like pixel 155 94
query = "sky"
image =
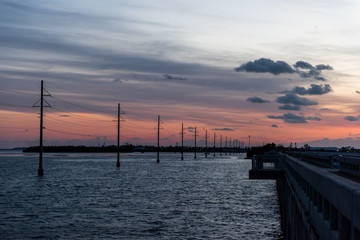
pixel 279 71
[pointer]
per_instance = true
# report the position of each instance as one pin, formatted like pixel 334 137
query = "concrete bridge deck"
pixel 316 201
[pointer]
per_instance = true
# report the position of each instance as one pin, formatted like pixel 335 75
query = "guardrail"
pixel 328 202
pixel 323 159
pixel 350 165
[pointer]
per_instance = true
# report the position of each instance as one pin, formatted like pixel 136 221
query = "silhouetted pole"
pixel 41 170
pixel 118 138
pixel 214 143
pixel 158 141
pixel 195 144
pixel 206 138
pixel 182 141
pixel 220 144
pixel 249 141
pixel 226 145
pixel 42 100
pixel 234 146
pixel 230 146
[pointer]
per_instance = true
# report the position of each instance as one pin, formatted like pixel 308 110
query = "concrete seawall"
pixel 315 202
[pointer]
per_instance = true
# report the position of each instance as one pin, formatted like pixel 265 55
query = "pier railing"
pixel 268 161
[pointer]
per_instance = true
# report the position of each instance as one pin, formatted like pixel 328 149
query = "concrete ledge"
pixel 266 174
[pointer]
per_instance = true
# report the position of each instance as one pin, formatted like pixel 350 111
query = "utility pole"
pixel 42 100
pixel 226 145
pixel 230 146
pixel 249 141
pixel 118 134
pixel 158 140
pixel 214 143
pixel 220 144
pixel 206 138
pixel 234 145
pixel 182 141
pixel 118 137
pixel 41 170
pixel 195 144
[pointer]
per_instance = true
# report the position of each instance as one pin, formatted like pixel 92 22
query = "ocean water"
pixel 84 196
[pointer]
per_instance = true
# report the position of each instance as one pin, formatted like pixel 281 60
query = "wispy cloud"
pixel 223 129
pixel 313 118
pixel 290 107
pixel 352 118
pixel 170 77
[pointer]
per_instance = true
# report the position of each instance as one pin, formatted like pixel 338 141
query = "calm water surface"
pixel 85 196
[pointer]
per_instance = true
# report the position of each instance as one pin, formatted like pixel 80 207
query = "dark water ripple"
pixel 85 196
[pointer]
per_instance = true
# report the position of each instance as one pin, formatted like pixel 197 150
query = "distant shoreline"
pixel 123 149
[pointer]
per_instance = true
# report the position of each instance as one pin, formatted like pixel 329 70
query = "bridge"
pixel 319 193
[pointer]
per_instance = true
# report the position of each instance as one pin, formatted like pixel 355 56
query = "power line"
pixel 77 105
pixel 14 105
pixel 26 130
pixel 73 115
pixel 71 133
pixel 19 92
pixel 68 123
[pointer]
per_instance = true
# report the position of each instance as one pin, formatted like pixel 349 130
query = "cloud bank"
pixel 303 69
pixel 292 118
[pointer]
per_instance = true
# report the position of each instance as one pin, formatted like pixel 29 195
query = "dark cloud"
pixel 289 118
pixel 190 128
pixel 274 126
pixel 264 65
pixel 223 129
pixel 291 98
pixel 290 107
pixel 65 115
pixel 303 69
pixel 319 78
pixel 357 92
pixel 313 72
pixel 313 118
pixel 169 77
pixel 315 89
pixel 257 100
pixel 352 118
pixel 304 65
pixel 323 67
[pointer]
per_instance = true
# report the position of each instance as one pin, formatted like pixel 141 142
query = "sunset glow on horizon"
pixel 285 72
